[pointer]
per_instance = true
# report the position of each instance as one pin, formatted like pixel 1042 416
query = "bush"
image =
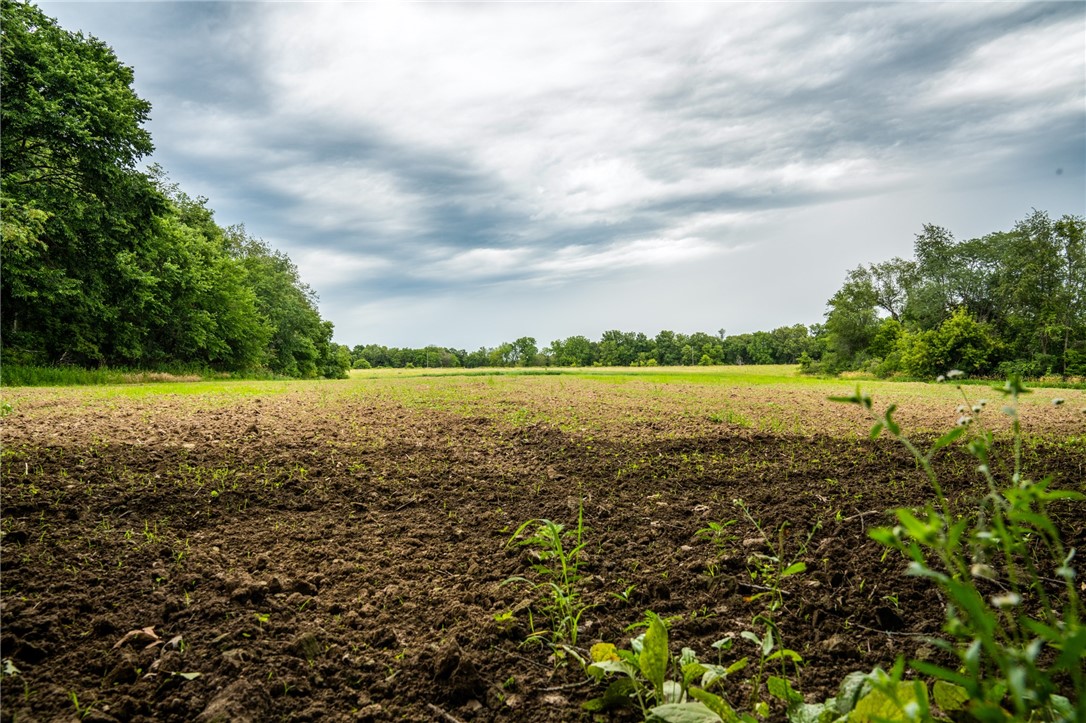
pixel 362 363
pixel 960 342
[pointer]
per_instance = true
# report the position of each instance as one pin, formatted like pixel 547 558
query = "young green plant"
pixel 661 686
pixel 558 553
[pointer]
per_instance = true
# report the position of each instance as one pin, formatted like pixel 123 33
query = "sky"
pixel 463 174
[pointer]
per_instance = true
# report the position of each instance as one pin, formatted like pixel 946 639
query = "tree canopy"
pixel 106 264
pixel 1008 302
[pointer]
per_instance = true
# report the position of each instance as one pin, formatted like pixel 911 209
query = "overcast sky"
pixel 464 174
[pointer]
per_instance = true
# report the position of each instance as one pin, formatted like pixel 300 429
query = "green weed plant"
pixel 558 552
pixel 1014 618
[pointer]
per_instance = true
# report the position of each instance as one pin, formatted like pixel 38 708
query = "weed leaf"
pixel 654 655
pixel 618 694
pixel 949 697
pixel 946 439
pixel 716 704
pixel 878 705
pixel 794 569
pixel 683 713
pixel 603 651
pixel 781 688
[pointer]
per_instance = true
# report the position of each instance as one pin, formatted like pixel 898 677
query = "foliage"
pixel 557 564
pixel 1014 616
pixel 660 685
pixel 785 345
pixel 107 265
pixel 1008 301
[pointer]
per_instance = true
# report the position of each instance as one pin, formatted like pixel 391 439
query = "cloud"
pixel 445 162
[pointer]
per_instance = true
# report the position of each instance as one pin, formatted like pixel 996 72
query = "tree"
pixel 851 321
pixel 930 298
pixel 669 348
pixel 891 281
pixel 524 351
pixel 618 348
pixel 104 264
pixel 71 198
pixel 301 342
pixel 961 342
pixel 573 352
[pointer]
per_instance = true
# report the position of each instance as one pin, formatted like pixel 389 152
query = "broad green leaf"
pixel 687 656
pixel 781 688
pixel 786 653
pixel 683 713
pixel 1041 522
pixel 877 706
pixel 767 643
pixel 724 644
pixel 752 637
pixel 737 666
pixel 617 695
pixel 852 688
pixel 949 697
pixel 923 532
pixel 597 670
pixel 715 703
pixel 692 671
pixel 1063 707
pixel 654 654
pixel 673 692
pixel 883 536
pixel 812 712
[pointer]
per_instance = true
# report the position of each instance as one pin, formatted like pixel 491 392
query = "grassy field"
pixel 341 550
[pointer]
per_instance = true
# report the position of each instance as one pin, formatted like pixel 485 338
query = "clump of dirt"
pixel 344 556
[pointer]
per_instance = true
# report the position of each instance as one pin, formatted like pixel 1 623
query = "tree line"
pixel 785 345
pixel 105 264
pixel 1009 302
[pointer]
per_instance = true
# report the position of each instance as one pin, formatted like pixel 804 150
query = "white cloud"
pixel 321 267
pixel 1042 62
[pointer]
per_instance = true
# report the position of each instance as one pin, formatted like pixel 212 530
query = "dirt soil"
pixel 339 552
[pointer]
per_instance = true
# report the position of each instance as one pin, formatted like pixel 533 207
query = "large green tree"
pixel 106 264
pixel 72 200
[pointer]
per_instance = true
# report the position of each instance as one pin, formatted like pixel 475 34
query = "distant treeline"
pixel 106 265
pixel 786 345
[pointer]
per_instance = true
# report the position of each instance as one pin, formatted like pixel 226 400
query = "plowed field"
pixel 337 550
